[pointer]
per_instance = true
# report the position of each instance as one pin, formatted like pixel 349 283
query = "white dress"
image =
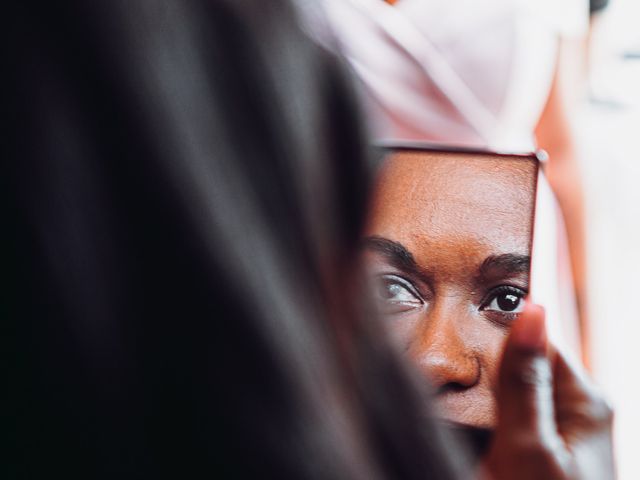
pixel 463 71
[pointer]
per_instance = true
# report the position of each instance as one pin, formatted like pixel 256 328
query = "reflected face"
pixel 448 245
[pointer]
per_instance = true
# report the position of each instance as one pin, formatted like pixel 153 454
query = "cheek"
pixel 491 343
pixel 403 329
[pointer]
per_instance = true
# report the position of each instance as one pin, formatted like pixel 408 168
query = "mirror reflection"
pixel 448 248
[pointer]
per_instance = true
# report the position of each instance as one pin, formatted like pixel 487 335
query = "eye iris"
pixel 389 290
pixel 394 291
pixel 508 302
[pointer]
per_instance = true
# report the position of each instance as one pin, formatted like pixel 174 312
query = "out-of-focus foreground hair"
pixel 186 183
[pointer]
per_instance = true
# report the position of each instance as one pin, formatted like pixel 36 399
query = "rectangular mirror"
pixel 448 246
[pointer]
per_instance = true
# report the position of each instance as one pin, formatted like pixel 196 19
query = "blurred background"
pixel 608 129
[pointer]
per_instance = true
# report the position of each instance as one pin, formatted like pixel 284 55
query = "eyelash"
pixel 386 280
pixel 502 289
pixel 405 283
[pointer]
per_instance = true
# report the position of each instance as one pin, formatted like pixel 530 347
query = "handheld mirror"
pixel 448 246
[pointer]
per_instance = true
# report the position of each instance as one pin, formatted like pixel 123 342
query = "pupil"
pixel 508 302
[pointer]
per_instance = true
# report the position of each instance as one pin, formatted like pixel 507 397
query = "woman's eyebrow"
pixel 503 265
pixel 397 254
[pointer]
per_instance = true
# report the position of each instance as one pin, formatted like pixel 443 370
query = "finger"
pixel 525 383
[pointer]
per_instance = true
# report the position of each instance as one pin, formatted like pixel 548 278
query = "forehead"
pixel 429 199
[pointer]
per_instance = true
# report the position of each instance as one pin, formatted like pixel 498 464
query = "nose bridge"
pixel 442 349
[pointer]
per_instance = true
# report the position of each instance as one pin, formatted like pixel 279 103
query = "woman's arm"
pixel 554 134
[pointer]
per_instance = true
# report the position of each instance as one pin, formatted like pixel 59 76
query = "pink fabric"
pixel 457 71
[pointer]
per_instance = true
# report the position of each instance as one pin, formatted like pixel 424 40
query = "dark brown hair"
pixel 186 183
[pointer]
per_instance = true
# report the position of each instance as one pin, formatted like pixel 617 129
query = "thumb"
pixel 525 382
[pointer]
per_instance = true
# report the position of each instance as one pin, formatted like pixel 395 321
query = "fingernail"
pixel 529 330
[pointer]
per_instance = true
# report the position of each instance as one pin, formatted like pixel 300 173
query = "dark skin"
pixel 448 244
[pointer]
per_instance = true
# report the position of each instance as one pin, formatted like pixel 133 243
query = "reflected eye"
pixel 505 299
pixel 397 294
